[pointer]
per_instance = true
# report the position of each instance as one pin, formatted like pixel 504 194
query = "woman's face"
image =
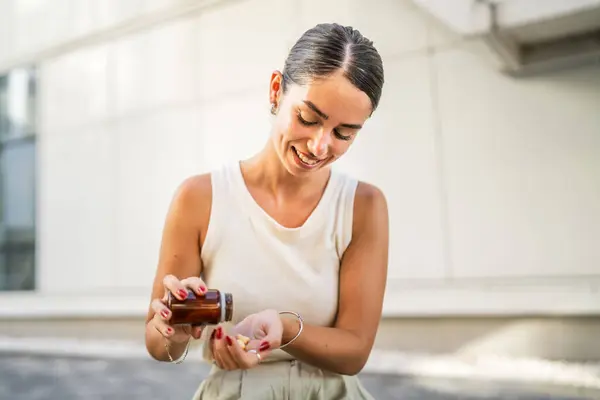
pixel 316 124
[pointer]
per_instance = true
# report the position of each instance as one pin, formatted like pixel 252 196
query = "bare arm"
pixel 345 347
pixel 179 259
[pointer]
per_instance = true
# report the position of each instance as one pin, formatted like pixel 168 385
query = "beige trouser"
pixel 280 380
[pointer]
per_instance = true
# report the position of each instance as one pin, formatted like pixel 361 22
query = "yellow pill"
pixel 242 338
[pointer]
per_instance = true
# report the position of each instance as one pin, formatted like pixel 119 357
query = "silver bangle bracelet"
pixel 300 320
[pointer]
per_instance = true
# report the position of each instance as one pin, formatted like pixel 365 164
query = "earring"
pixel 274 109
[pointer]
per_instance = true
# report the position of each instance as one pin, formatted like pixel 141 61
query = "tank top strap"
pixel 221 201
pixel 344 194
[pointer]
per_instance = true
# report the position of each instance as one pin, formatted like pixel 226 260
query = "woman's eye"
pixel 340 136
pixel 305 122
pixel 336 132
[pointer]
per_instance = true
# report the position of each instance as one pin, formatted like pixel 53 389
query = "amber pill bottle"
pixel 211 308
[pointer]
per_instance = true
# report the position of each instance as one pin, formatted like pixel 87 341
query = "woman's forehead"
pixel 334 95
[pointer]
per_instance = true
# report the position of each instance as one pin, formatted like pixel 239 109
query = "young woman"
pixel 302 248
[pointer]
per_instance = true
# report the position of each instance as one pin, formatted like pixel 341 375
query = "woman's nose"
pixel 319 144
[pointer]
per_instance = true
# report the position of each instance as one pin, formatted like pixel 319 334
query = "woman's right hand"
pixel 162 314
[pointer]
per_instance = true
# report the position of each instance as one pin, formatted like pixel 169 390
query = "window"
pixel 17 179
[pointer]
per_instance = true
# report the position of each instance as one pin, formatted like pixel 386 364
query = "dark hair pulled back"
pixel 326 48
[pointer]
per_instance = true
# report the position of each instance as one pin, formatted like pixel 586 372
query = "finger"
pixel 213 349
pixel 161 309
pixel 220 349
pixel 162 327
pixel 196 284
pixel 258 349
pixel 224 356
pixel 197 331
pixel 228 357
pixel 273 337
pixel 216 356
pixel 243 359
pixel 174 285
pixel 257 356
pixel 261 346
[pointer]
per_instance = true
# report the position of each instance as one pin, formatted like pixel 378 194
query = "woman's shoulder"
pixel 370 205
pixel 197 192
pixel 193 197
pixel 369 192
pixel 364 190
pixel 366 197
pixel 195 187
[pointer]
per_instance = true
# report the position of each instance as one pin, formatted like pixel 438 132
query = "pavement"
pixel 52 377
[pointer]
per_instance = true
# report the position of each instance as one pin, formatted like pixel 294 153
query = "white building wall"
pixel 493 182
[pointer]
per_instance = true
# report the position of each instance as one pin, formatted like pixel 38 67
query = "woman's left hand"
pixel 264 330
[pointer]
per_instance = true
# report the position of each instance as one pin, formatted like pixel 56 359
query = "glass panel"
pixel 17 181
pixel 17 104
pixel 4 124
pixel 17 221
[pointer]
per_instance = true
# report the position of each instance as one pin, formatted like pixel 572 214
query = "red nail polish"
pixel 169 330
pixel 219 333
pixel 229 341
pixel 264 346
pixel 183 293
pixel 164 313
pixel 203 289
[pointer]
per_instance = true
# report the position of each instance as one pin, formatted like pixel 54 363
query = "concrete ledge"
pixel 493 297
pixel 404 298
pixel 31 305
pixel 494 368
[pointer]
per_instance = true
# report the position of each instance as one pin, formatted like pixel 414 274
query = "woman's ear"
pixel 275 88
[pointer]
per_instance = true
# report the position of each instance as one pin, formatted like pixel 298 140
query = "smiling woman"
pixel 302 248
pixel 329 112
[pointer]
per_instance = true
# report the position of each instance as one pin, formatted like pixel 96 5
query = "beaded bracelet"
pixel 300 320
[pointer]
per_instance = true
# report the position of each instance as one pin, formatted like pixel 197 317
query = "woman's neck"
pixel 266 170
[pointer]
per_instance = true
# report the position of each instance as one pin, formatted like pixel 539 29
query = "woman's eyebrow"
pixel 313 107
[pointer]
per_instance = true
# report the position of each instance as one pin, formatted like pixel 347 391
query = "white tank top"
pixel 266 265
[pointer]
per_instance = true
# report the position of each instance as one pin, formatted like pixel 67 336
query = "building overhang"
pixel 528 37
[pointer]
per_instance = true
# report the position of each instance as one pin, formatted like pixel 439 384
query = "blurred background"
pixel 486 143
